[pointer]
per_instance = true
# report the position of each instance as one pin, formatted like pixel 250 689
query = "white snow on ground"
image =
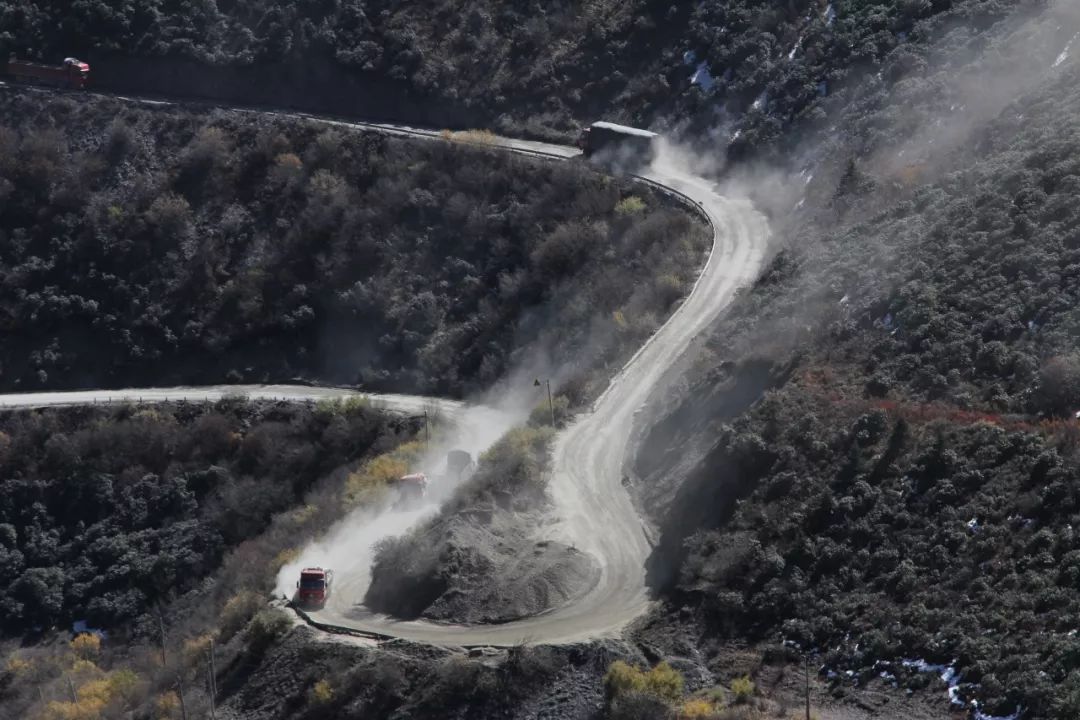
pixel 795 48
pixel 830 15
pixel 689 57
pixel 761 100
pixel 1065 53
pixel 979 715
pixel 947 673
pixel 703 77
pixel 951 678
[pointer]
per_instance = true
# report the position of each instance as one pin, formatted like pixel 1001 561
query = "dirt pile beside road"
pixel 483 566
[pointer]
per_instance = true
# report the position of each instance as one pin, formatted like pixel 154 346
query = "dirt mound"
pixel 481 566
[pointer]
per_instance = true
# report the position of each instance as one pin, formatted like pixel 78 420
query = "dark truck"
pixel 619 144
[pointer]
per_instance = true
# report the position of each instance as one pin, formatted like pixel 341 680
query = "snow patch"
pixel 830 15
pixel 979 715
pixel 689 57
pixel 1065 53
pixel 703 77
pixel 795 48
pixel 79 627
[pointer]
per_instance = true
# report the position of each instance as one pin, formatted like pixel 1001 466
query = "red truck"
pixel 411 490
pixel 73 74
pixel 313 587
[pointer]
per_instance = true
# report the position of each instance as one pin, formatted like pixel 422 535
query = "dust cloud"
pixel 347 547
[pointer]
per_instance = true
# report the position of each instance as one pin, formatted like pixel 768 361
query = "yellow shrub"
pixel 117 688
pixel 742 688
pixel 123 685
pixel 471 137
pixel 321 693
pixel 665 682
pixel 631 205
pixel 18 666
pixel 619 320
pixel 288 162
pixel 367 484
pixel 85 668
pixel 622 678
pixel 86 646
pixel 167 706
pixel 196 648
pixel 83 710
pixel 237 611
pixel 696 708
pixel 342 406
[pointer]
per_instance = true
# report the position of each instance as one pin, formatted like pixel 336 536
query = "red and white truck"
pixel 72 74
pixel 313 587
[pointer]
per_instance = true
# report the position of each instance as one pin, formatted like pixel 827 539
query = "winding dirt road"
pixel 593 510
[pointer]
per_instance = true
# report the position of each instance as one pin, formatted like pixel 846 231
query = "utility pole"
pixel 210 685
pixel 213 666
pixel 71 687
pixel 180 692
pixel 427 434
pixel 551 405
pixel 161 628
pixel 806 663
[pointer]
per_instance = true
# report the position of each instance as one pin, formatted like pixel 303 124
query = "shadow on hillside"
pixel 681 458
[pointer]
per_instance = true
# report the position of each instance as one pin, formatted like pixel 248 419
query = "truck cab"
pixel 78 73
pixel 313 587
pixel 411 490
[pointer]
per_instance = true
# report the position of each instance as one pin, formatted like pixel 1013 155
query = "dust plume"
pixel 346 548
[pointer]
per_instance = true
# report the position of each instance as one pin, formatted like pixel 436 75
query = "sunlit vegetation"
pixel 162 247
pixel 106 511
pixel 544 69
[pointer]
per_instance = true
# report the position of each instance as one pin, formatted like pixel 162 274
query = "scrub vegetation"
pixel 906 490
pixel 537 68
pixel 167 247
pixel 109 510
pixel 165 527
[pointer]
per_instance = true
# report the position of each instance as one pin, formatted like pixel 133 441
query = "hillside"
pixel 904 491
pixel 160 246
pixel 538 69
pixel 871 466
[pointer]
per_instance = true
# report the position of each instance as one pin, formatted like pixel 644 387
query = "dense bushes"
pixel 104 511
pixel 164 247
pixel 535 69
pixel 909 492
pixel 945 542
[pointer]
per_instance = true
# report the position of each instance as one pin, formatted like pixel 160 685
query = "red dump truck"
pixel 313 587
pixel 411 490
pixel 72 73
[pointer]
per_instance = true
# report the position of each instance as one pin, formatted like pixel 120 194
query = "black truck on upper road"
pixel 619 144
